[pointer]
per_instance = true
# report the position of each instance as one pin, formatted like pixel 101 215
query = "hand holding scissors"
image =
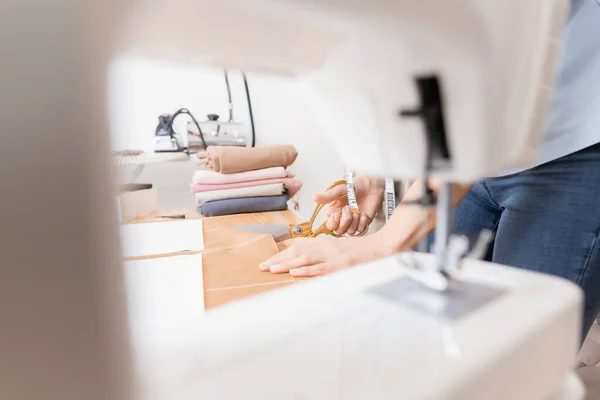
pixel 340 222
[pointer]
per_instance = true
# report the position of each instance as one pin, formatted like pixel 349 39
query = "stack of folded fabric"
pixel 244 180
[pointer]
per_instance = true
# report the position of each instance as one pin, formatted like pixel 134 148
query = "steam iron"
pixel 165 138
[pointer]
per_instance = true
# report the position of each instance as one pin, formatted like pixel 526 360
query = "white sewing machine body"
pixel 329 337
pixel 365 333
pixel 360 61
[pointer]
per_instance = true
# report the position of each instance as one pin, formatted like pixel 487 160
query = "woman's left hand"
pixel 321 255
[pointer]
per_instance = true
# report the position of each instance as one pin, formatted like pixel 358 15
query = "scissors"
pixel 303 229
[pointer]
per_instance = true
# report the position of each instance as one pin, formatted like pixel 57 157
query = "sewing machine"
pixel 453 90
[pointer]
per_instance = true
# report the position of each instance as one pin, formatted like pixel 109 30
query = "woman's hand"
pixel 322 255
pixel 369 195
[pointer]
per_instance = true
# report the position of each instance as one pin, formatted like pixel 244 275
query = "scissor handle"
pixel 323 230
pixel 319 207
pixel 305 229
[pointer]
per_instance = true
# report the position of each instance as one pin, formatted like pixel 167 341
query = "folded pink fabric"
pixel 207 177
pixel 293 185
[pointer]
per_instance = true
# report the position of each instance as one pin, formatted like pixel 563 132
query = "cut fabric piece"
pixel 232 159
pixel 274 189
pixel 227 239
pixel 244 205
pixel 234 274
pixel 214 178
pixel 293 185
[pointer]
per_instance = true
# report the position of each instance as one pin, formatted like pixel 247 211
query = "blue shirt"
pixel 574 119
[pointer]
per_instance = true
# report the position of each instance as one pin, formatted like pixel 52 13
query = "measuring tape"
pixel 390 195
pixel 350 192
pixel 390 198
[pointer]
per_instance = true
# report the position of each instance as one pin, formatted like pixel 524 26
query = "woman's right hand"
pixel 369 195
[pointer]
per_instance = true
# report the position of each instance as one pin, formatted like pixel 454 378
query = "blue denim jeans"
pixel 545 219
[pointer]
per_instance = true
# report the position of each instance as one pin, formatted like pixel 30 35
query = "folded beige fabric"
pixel 231 159
pixel 272 189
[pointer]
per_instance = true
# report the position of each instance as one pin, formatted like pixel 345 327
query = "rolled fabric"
pixel 232 159
pixel 244 205
pixel 293 185
pixel 273 189
pixel 215 178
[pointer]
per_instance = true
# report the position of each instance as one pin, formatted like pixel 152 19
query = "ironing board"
pixel 141 159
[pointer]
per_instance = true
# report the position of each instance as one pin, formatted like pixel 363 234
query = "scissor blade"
pixel 279 232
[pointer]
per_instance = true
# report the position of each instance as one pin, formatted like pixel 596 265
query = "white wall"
pixel 142 89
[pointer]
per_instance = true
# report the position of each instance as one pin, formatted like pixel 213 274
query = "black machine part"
pixel 431 114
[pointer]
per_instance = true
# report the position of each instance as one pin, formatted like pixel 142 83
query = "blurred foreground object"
pixel 414 88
